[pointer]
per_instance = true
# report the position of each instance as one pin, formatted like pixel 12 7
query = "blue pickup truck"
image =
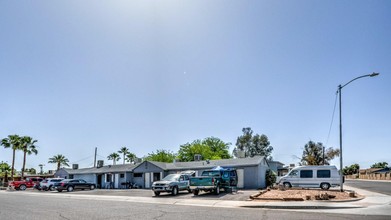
pixel 214 180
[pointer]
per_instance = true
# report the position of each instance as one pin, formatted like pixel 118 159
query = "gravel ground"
pixel 276 194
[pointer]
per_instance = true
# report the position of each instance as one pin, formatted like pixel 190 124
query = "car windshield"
pixel 211 173
pixel 171 177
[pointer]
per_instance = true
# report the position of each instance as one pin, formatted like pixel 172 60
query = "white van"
pixel 312 177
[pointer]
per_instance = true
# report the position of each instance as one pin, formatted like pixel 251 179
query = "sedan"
pixel 73 184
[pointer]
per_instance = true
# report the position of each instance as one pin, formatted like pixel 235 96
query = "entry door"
pixel 147 180
pixel 240 173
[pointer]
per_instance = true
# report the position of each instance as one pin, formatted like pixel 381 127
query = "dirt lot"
pixel 303 195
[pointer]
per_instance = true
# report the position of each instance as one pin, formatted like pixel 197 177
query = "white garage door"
pixel 240 173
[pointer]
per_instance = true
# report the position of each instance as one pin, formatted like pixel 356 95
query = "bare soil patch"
pixel 304 195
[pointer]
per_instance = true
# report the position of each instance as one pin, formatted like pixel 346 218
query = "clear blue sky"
pixel 150 75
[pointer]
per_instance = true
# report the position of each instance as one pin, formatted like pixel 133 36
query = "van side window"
pixel 323 173
pixel 306 174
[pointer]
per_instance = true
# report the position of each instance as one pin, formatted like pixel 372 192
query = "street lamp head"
pixel 374 74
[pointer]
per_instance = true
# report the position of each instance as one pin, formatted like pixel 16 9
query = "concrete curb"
pixel 300 207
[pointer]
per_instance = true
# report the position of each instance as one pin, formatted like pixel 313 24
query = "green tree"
pixel 352 169
pixel 161 156
pixel 4 169
pixel 210 148
pixel 131 157
pixel 13 142
pixel 253 145
pixel 313 154
pixel 114 157
pixel 380 165
pixel 59 159
pixel 28 147
pixel 31 171
pixel 124 151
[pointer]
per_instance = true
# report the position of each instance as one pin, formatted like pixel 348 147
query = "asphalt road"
pixel 241 195
pixel 30 206
pixel 374 186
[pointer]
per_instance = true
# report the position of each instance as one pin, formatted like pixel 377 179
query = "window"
pixel 122 175
pixel 306 174
pixel 323 173
pixel 137 175
pixel 233 173
pixel 181 178
pixel 70 176
pixel 293 173
pixel 186 178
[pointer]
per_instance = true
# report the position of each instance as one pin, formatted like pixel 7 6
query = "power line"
pixel 332 119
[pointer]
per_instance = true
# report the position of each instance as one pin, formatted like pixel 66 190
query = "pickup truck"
pixel 173 183
pixel 214 180
pixel 24 184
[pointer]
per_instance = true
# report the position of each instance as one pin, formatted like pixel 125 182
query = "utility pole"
pixel 95 156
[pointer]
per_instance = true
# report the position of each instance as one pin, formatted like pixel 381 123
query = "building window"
pixel 137 174
pixel 306 174
pixel 323 173
pixel 122 175
pixel 70 176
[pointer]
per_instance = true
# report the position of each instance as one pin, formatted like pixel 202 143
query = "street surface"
pixel 374 186
pixel 28 205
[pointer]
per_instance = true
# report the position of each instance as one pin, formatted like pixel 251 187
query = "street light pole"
pixel 340 124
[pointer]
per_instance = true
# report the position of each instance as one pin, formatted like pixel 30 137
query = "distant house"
pixel 103 177
pixel 251 170
pixel 374 170
pixel 278 168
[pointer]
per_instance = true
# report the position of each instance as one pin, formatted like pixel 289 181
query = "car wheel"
pixel 189 190
pixel 287 185
pixel 92 187
pixel 22 187
pixel 196 192
pixel 174 191
pixel 70 188
pixel 59 190
pixel 324 186
pixel 156 193
pixel 217 190
pixel 51 188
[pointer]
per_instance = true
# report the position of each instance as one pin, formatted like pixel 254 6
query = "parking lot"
pixel 241 195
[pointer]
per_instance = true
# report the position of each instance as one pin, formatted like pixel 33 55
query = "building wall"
pixel 61 173
pixel 146 168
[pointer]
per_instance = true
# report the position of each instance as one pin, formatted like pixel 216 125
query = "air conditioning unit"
pixel 75 166
pixel 100 163
pixel 197 157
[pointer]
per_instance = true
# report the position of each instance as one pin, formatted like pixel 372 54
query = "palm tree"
pixel 13 142
pixel 114 156
pixel 124 151
pixel 130 157
pixel 28 147
pixel 59 159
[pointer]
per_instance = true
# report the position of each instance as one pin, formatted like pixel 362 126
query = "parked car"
pixel 29 182
pixel 213 180
pixel 48 184
pixel 173 183
pixel 73 184
pixel 322 177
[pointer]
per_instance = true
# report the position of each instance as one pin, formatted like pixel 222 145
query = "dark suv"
pixel 72 184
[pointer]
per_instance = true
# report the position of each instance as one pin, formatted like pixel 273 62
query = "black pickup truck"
pixel 213 180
